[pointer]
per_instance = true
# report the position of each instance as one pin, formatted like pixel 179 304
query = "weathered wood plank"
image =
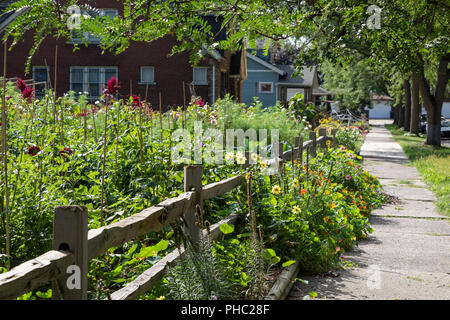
pixel 282 286
pixel 70 227
pixel 215 189
pixel 34 273
pixel 151 276
pixel 150 219
pixel 307 143
pixel 193 182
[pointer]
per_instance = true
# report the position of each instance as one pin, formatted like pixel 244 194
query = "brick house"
pixel 144 69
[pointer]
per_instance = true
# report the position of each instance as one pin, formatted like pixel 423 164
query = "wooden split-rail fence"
pixel 74 245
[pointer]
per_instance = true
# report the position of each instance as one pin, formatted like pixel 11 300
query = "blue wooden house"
pixel 270 82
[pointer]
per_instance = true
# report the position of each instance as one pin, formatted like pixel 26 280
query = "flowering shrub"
pixel 351 136
pixel 314 214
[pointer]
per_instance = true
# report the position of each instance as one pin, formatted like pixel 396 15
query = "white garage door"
pixel 380 111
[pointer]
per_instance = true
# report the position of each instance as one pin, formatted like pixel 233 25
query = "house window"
pixel 40 76
pixel 200 75
pixel 265 87
pixel 78 35
pixel 91 80
pixel 147 75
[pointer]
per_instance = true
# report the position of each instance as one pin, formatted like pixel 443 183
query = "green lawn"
pixel 433 164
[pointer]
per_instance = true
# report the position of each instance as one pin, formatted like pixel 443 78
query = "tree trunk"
pixel 433 103
pixel 401 116
pixel 407 119
pixel 415 105
pixel 396 114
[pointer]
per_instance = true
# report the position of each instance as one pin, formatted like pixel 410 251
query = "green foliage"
pixel 289 122
pixel 352 82
pixel 313 214
pixel 307 112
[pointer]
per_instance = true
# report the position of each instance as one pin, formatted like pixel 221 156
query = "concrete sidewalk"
pixel 408 254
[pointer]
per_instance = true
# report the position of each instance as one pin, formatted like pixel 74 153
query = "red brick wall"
pixel 170 72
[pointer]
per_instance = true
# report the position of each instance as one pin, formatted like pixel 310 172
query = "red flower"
pixel 112 86
pixel 66 152
pixel 21 84
pixel 34 150
pixel 136 100
pixel 28 93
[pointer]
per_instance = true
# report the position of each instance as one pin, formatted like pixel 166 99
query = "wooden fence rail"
pixel 73 245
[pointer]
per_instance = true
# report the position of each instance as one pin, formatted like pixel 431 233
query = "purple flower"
pixel 343 148
pixel 213 297
pixel 348 177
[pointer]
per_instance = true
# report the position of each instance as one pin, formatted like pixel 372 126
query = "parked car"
pixel 445 128
pixel 445 125
pixel 423 123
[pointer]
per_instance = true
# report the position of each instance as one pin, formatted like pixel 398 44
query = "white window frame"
pixel 85 69
pixel 87 35
pixel 141 78
pixel 201 82
pixel 260 83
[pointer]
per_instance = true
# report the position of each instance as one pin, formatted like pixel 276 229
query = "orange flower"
pixel 332 206
pixel 303 191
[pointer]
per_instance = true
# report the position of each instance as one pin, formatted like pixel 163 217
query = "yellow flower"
pixel 295 183
pixel 254 156
pixel 161 298
pixel 296 210
pixel 248 175
pixel 263 164
pixel 276 189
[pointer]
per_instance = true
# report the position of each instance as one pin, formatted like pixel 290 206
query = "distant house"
pixel 144 69
pixel 271 82
pixel 381 107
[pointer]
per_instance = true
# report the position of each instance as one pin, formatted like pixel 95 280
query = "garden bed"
pixel 114 158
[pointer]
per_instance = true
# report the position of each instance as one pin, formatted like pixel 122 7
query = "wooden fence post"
pixel 299 144
pixel 312 136
pixel 70 228
pixel 193 182
pixel 323 133
pixel 333 137
pixel 246 164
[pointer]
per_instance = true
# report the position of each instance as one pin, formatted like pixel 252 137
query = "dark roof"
pixel 5 3
pixel 306 78
pixel 5 16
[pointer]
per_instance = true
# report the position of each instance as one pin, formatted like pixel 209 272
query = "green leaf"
pixel 270 253
pixel 273 200
pixel 226 228
pixel 153 250
pixel 44 295
pixel 287 263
